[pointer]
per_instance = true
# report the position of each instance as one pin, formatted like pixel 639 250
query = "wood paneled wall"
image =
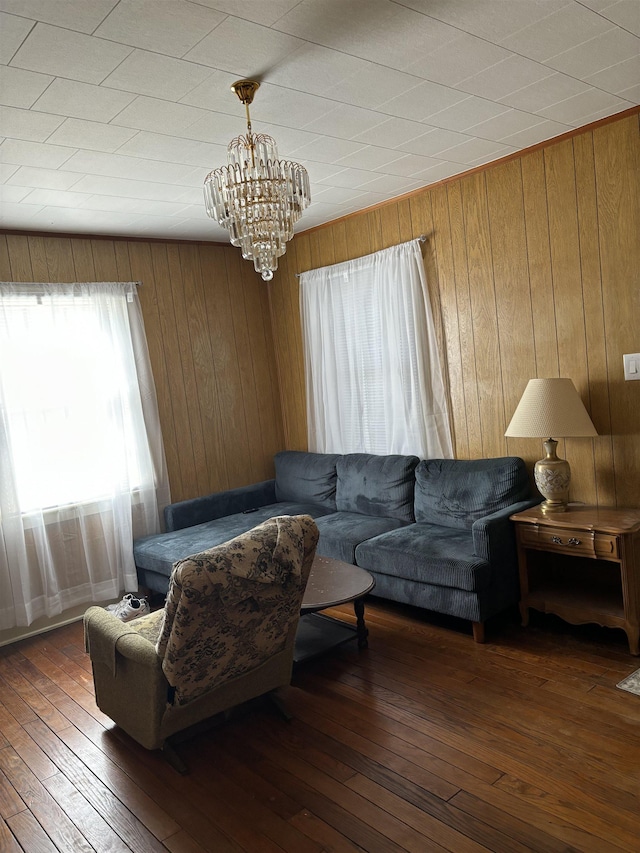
pixel 206 317
pixel 534 271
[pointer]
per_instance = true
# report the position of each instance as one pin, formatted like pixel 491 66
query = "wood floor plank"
pixel 42 805
pixel 8 843
pixel 424 742
pixel 30 835
pixel 94 791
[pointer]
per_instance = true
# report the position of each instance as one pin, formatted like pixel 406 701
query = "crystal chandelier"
pixel 257 197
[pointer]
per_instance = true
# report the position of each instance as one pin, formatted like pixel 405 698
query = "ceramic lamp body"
pixel 552 477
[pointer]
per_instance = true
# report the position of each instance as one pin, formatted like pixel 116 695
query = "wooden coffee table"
pixel 330 583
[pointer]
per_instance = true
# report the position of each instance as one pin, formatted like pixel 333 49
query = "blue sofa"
pixel 434 533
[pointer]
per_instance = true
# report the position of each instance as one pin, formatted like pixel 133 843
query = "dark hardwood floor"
pixel 424 742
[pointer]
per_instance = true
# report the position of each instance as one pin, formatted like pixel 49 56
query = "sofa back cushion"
pixel 376 485
pixel 306 477
pixel 456 492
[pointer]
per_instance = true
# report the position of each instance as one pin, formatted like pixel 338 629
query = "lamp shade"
pixel 550 407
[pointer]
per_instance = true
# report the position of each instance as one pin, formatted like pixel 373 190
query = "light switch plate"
pixel 631 365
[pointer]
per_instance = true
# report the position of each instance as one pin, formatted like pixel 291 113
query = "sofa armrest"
pixel 494 535
pixel 218 505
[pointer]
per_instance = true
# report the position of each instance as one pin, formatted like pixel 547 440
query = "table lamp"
pixel 551 407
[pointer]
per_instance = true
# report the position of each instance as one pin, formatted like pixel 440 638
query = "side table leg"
pixel 361 629
pixel 524 613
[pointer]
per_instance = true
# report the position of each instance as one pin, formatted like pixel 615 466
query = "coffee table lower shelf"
pixel 318 634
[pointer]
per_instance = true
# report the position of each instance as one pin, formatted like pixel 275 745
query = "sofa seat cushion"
pixel 441 556
pixel 159 552
pixel 306 477
pixel 457 492
pixel 341 532
pixel 380 486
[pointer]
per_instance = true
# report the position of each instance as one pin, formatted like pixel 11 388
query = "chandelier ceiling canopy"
pixel 257 197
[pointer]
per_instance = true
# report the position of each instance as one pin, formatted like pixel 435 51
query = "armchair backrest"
pixel 232 607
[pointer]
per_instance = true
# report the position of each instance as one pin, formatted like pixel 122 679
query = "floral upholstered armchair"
pixel 225 635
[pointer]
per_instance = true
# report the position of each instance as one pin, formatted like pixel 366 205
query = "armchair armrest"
pixel 218 505
pixel 494 535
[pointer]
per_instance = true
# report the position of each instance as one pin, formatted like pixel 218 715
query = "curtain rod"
pixel 420 237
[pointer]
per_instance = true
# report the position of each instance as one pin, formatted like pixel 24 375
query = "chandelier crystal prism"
pixel 257 197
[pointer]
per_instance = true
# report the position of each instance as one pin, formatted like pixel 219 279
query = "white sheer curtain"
pixel 373 375
pixel 82 466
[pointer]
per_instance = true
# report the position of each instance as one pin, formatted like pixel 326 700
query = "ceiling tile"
pixel 568 27
pixel 156 146
pixel 422 101
pixel 217 128
pixel 505 77
pixel 532 135
pixel 545 93
pixel 472 110
pixel 118 166
pixel 373 85
pixel 7 170
pixel 433 142
pixel 243 47
pixel 171 28
pixel 77 15
pixel 335 195
pixel 52 179
pixel 490 19
pixel 316 69
pixel 159 208
pixel 597 54
pixel 77 221
pixel 631 94
pixel 574 111
pixel 440 172
pixel 286 107
pixel 392 132
pixel 24 153
pixel 625 14
pixel 93 135
pixel 345 120
pixel 458 60
pixel 158 116
pixel 618 77
pixel 410 165
pixel 253 10
pixel 18 214
pixel 369 157
pixel 159 76
pixel 362 27
pixel 322 172
pixel 82 100
pixel 63 53
pixel 107 203
pixel 25 124
pixel 395 184
pixel 20 88
pixel 287 139
pixel 506 124
pixel 214 94
pixel 326 149
pixel 57 198
pixel 121 187
pixel 474 150
pixel 10 194
pixel 346 178
pixel 13 31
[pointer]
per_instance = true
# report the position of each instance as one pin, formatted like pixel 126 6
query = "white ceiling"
pixel 113 111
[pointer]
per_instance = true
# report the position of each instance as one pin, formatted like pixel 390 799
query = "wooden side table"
pixel 582 565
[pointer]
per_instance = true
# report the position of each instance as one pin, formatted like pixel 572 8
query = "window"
pixel 81 460
pixel 374 382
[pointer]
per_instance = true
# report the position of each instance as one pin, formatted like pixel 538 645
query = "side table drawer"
pixel 560 539
pixel 583 543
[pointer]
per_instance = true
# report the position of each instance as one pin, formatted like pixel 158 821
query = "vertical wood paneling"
pixel 617 165
pixel 537 268
pixel 213 362
pixel 484 315
pixel 567 293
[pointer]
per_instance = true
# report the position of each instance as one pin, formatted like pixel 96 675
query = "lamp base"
pixel 552 477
